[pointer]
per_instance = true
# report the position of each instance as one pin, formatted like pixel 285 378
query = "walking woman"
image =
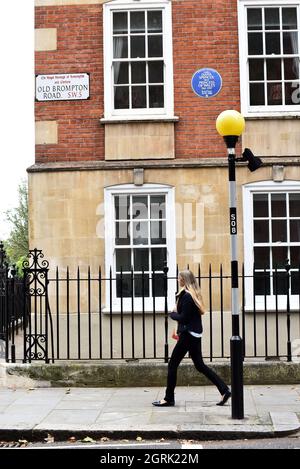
pixel 188 312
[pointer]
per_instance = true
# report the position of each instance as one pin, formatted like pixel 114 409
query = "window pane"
pixel 262 258
pixel 156 96
pixel 261 231
pixel 122 234
pixel 279 231
pixel 139 99
pixel 157 207
pixel 274 94
pixel 257 94
pixel 255 43
pixel 295 257
pixel 120 23
pixel 295 231
pixel 291 69
pixel 156 72
pixel 121 73
pixel 141 285
pixel 137 22
pixel 140 232
pixel 295 283
pixel 121 97
pixel 260 205
pixel 138 72
pixel 158 232
pixel 290 43
pixel 140 207
pixel 155 46
pixel 272 18
pixel 280 256
pixel 274 69
pixel 272 43
pixel 154 21
pixel 278 204
pixel 158 289
pixel 123 260
pixel 280 283
pixel 292 95
pixel 254 18
pixel 120 48
pixel 294 205
pixel 141 260
pixel 289 18
pixel 124 286
pixel 159 256
pixel 137 46
pixel 256 69
pixel 262 283
pixel 122 207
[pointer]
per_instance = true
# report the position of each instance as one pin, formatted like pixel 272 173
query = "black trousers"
pixel 189 343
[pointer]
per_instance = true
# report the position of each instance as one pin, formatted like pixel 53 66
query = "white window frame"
pixel 259 111
pixel 248 191
pixel 131 189
pixel 137 114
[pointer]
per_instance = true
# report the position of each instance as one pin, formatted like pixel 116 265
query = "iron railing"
pixel 91 316
pixel 11 306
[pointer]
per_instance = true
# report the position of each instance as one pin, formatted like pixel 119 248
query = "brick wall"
pixel 204 35
pixel 79 49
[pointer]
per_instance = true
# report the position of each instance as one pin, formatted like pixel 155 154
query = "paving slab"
pixel 283 421
pixel 128 412
pixel 78 404
pixel 74 416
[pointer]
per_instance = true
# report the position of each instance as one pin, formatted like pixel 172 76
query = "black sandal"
pixel 225 398
pixel 163 403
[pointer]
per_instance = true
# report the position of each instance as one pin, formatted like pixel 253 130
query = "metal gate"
pixel 37 315
pixel 11 307
pixel 3 302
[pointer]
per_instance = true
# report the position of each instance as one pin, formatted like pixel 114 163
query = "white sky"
pixel 17 99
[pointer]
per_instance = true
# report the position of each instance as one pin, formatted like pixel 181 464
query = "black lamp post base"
pixel 237 401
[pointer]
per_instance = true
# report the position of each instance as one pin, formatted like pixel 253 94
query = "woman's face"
pixel 181 282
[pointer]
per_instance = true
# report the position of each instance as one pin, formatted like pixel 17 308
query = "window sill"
pixel 137 119
pixel 262 311
pixel 271 308
pixel 126 311
pixel 266 116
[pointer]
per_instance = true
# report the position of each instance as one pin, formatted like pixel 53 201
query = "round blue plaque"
pixel 206 83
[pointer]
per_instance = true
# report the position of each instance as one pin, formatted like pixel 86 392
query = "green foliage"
pixel 17 245
pixel 19 266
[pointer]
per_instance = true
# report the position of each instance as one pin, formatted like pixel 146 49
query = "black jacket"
pixel 188 314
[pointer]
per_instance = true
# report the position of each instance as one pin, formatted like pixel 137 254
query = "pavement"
pixel 34 413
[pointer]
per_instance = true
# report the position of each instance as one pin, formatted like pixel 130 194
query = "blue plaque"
pixel 206 83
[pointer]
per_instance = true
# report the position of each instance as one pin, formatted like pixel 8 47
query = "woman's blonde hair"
pixel 191 286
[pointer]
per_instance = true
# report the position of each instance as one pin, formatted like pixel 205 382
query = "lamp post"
pixel 230 125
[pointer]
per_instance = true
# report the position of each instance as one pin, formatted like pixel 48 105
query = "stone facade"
pixel 79 153
pixel 67 213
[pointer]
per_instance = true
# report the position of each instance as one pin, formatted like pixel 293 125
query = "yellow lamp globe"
pixel 230 123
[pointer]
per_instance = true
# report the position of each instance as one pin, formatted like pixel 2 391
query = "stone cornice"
pixel 46 3
pixel 151 164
